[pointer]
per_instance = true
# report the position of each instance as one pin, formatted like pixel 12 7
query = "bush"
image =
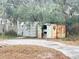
pixel 71 38
pixel 11 33
pixel 73 26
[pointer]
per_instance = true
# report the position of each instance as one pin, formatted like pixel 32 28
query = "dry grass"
pixel 75 43
pixel 71 41
pixel 30 52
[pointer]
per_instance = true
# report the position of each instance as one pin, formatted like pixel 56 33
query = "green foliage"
pixel 73 26
pixel 24 10
pixel 31 11
pixel 11 33
pixel 73 20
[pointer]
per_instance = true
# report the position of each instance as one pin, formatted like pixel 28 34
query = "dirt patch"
pixel 30 52
pixel 70 42
pixel 75 43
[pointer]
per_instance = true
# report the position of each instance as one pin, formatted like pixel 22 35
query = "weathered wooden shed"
pixel 50 31
pixel 6 25
pixel 27 29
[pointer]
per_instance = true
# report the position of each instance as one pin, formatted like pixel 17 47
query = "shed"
pixel 50 31
pixel 27 29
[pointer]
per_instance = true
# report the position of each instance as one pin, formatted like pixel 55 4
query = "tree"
pixel 33 11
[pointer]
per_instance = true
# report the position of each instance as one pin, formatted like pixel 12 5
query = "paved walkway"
pixel 71 51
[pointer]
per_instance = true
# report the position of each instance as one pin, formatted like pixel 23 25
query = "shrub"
pixel 73 26
pixel 11 33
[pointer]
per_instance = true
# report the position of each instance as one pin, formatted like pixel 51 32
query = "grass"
pixel 75 43
pixel 7 37
pixel 30 52
pixel 74 40
pixel 71 40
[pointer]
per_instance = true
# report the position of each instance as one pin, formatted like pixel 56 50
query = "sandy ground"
pixel 68 50
pixel 30 52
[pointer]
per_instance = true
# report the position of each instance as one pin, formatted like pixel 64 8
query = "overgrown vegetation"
pixel 73 28
pixel 11 33
pixel 8 35
pixel 3 37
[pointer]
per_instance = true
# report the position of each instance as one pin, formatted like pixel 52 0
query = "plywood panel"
pixel 49 30
pixel 61 31
pixel 39 32
pixel 54 29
